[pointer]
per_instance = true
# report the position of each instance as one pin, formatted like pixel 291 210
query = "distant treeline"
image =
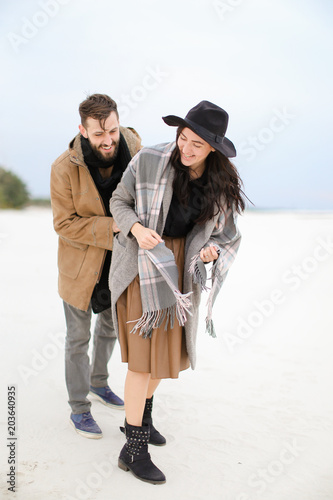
pixel 14 192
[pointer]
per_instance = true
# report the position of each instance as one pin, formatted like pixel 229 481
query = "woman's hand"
pixel 146 238
pixel 209 254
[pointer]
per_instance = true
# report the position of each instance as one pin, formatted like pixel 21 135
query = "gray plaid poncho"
pixel 145 180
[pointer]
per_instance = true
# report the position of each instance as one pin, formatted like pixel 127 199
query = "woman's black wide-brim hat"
pixel 208 121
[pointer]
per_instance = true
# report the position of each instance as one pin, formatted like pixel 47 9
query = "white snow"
pixel 254 421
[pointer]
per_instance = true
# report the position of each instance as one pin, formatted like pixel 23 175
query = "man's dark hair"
pixel 99 107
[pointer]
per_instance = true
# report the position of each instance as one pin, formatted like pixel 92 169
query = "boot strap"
pixel 137 458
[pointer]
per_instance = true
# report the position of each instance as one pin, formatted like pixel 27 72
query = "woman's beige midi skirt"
pixel 164 354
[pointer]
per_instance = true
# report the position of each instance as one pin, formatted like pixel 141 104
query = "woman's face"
pixel 193 150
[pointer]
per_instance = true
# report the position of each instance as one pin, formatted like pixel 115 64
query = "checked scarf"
pixel 226 239
pixel 158 272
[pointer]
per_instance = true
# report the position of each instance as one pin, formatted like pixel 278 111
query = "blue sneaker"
pixel 85 425
pixel 107 397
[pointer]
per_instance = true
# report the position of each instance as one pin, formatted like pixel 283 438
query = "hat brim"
pixel 226 147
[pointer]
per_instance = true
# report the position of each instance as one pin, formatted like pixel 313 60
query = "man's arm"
pixel 93 230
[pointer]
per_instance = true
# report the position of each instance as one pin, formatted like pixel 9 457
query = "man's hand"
pixel 115 228
pixel 146 238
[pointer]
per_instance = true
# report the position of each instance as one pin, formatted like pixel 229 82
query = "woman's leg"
pixel 152 386
pixel 136 387
pixel 134 455
pixel 155 437
pixel 139 391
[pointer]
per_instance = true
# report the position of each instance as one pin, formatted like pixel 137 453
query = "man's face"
pixel 104 142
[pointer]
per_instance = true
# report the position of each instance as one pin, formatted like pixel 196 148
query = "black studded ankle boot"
pixel 155 437
pixel 135 457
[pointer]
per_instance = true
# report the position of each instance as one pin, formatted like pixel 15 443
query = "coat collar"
pixel 75 151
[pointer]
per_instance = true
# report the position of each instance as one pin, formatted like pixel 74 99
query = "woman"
pixel 175 208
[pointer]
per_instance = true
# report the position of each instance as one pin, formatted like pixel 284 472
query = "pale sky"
pixel 267 63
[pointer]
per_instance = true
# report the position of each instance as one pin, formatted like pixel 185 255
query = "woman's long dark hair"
pixel 223 184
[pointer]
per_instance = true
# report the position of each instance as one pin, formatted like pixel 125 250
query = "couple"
pixel 174 209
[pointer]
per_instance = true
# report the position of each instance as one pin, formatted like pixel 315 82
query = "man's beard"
pixel 107 159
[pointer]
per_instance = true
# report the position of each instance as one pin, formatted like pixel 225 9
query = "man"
pixel 82 182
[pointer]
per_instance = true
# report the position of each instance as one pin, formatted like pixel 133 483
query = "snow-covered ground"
pixel 254 421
